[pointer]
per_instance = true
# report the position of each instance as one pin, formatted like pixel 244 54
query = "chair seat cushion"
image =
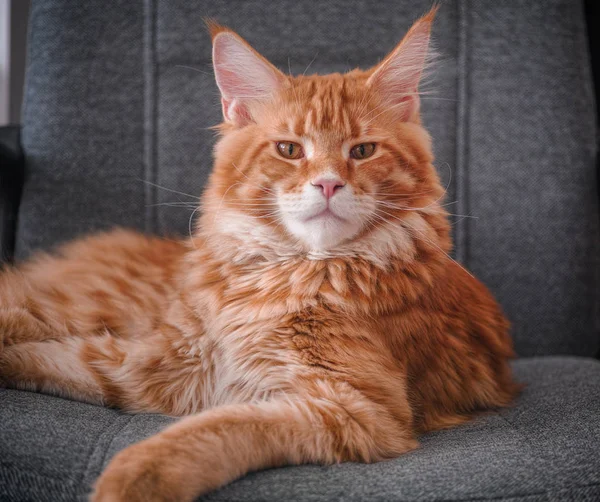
pixel 546 447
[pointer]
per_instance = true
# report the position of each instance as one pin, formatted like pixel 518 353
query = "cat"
pixel 315 315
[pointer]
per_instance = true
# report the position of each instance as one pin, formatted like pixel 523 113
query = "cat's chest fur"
pixel 264 335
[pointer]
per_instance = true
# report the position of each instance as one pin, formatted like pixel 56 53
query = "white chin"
pixel 322 233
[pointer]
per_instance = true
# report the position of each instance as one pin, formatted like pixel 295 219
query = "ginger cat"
pixel 314 316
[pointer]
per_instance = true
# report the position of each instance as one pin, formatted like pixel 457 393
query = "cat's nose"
pixel 328 185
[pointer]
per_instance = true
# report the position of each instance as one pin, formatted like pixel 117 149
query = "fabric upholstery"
pixel 120 97
pixel 544 448
pixel 118 102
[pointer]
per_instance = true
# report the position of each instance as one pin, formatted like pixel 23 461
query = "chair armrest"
pixel 12 175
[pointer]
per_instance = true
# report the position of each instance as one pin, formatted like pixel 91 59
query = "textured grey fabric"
pixel 120 97
pixel 83 121
pixel 544 448
pixel 530 170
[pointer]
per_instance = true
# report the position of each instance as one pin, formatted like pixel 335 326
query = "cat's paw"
pixel 145 472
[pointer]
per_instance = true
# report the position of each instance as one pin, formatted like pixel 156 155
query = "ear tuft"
pixel 213 27
pixel 397 77
pixel 430 16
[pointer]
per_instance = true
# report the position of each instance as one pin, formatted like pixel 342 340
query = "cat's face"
pixel 320 161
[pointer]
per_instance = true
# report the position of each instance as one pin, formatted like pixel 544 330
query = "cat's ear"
pixel 397 77
pixel 244 77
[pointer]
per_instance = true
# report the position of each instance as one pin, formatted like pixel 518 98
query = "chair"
pixel 118 100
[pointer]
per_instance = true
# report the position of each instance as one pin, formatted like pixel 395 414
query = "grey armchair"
pixel 118 101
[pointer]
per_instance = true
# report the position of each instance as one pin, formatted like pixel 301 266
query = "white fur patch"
pixel 309 148
pixel 319 223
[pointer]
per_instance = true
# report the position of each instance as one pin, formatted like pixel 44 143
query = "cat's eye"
pixel 362 151
pixel 290 150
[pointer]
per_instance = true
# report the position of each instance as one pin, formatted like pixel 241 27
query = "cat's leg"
pixel 134 375
pixel 152 374
pixel 52 367
pixel 334 423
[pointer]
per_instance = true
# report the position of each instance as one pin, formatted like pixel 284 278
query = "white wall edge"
pixel 4 62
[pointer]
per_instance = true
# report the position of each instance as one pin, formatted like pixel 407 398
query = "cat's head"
pixel 316 163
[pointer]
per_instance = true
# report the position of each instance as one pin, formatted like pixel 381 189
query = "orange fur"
pixel 283 349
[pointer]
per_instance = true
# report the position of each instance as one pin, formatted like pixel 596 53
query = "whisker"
pixel 445 189
pixel 429 210
pixel 221 203
pixel 311 62
pixel 460 218
pixel 192 68
pixel 253 183
pixel 425 209
pixel 169 189
pixel 250 204
pixel 190 224
pixel 447 255
pixel 429 241
pixel 180 204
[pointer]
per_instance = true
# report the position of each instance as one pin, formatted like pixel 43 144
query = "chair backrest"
pixel 120 95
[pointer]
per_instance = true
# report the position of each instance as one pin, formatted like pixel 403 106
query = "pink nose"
pixel 328 185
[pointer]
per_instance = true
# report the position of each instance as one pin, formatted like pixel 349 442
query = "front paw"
pixel 145 472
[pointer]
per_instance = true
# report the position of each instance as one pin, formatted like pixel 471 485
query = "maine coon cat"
pixel 314 316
